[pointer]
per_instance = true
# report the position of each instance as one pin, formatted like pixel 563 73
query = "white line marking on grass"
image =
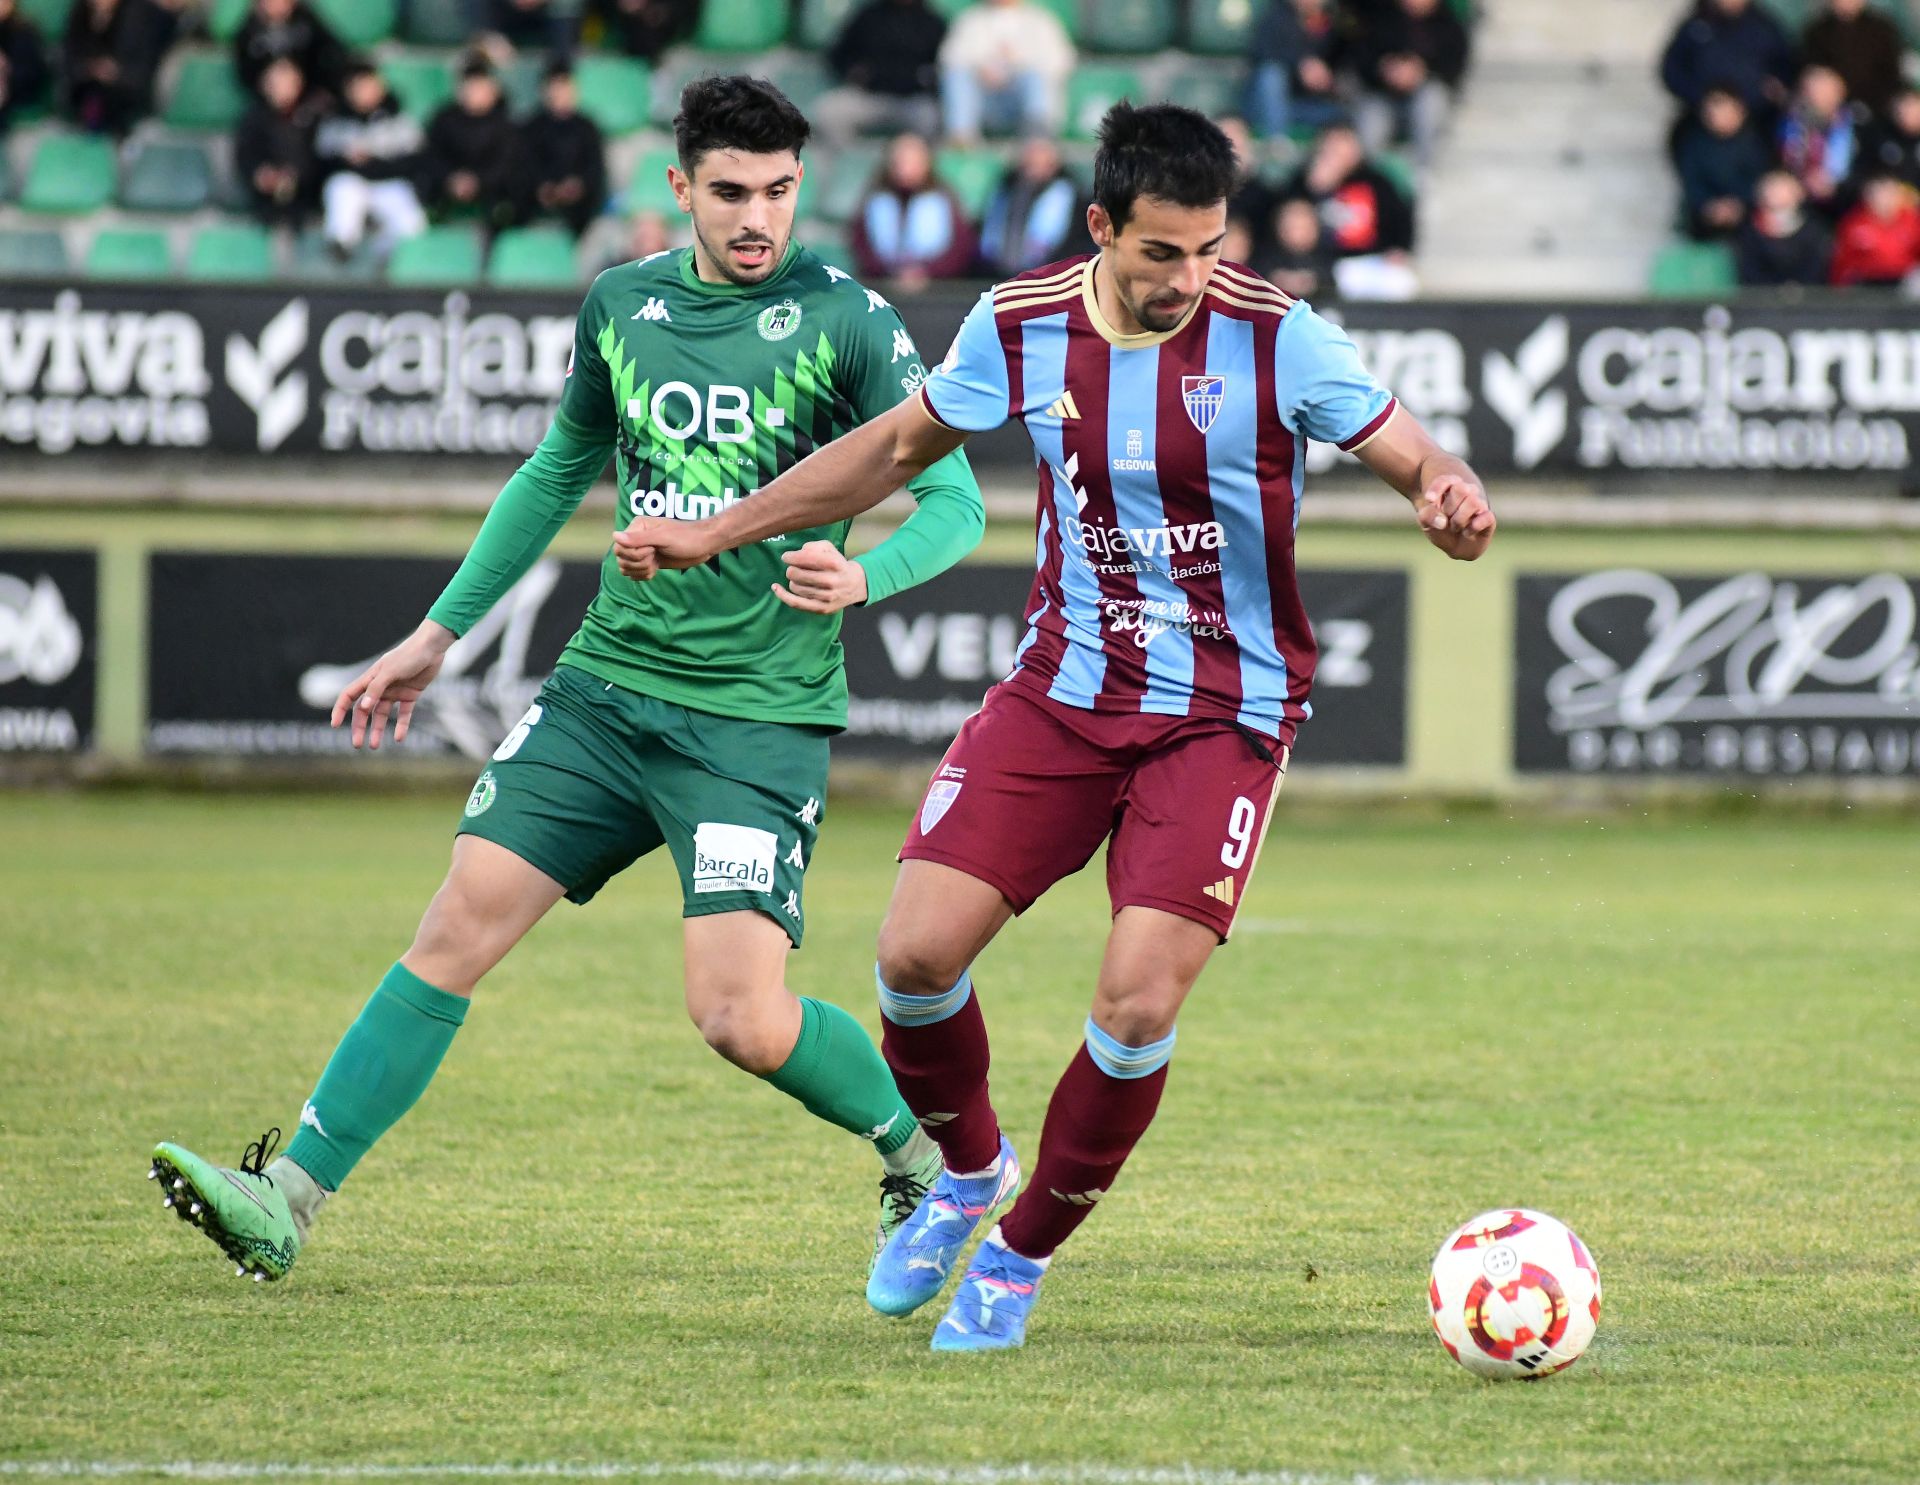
pixel 745 1471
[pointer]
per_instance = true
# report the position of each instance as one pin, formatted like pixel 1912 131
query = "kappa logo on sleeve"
pixel 733 858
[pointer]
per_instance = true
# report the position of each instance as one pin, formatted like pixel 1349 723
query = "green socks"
pixel 381 1067
pixel 837 1074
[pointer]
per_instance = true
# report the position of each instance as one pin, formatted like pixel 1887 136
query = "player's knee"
pixel 455 943
pixel 1137 1012
pixel 737 1030
pixel 917 966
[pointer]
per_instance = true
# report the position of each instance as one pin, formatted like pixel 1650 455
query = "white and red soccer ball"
pixel 1514 1294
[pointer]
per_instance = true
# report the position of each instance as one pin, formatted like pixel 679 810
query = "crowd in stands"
pixel 1801 153
pixel 1332 87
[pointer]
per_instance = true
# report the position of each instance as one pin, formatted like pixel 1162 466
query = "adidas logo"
pixel 1078 1198
pixel 653 309
pixel 1222 891
pixel 1063 408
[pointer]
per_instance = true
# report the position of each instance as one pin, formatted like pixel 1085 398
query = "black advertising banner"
pixel 248 651
pixel 49 643
pixel 918 664
pixel 1755 675
pixel 1825 386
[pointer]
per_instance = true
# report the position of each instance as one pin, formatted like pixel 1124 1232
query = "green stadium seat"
pixel 437 22
pixel 167 175
pixel 32 252
pixel 70 173
pixel 440 256
pixel 817 25
pixel 532 258
pixel 680 67
pixel 846 180
pixel 313 259
pixel 830 244
pixel 1092 90
pixel 648 190
pixel 1692 270
pixel 129 252
pixel 1401 170
pixel 240 252
pixel 1067 10
pixel 520 80
pixel 801 78
pixel 1132 26
pixel 741 25
pixel 224 17
pixel 421 84
pixel 206 94
pixel 1216 88
pixel 973 174
pixel 1220 28
pixel 359 23
pixel 615 92
pixel 49 15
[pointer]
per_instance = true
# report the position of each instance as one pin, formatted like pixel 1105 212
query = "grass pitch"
pixel 1696 1041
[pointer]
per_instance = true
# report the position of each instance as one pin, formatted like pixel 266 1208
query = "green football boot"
pixel 243 1210
pixel 901 1192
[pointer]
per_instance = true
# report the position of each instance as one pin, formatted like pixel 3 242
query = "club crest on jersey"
pixel 939 800
pixel 1203 396
pixel 780 320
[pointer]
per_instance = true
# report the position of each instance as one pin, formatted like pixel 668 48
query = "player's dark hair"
pixel 1164 151
pixel 736 113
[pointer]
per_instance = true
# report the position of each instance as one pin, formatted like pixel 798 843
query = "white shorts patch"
pixel 733 858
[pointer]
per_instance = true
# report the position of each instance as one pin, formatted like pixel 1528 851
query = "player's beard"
pixel 722 260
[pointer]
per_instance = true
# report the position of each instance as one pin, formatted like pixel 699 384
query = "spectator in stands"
pixel 1734 43
pixel 23 62
pixel 370 152
pixel 910 227
pixel 1366 223
pixel 1004 66
pixel 273 146
pixel 1300 262
pixel 287 28
pixel 1250 207
pixel 1035 215
pixel 1721 158
pixel 113 48
pixel 887 60
pixel 1893 145
pixel 1860 44
pixel 1816 136
pixel 1878 242
pixel 476 160
pixel 646 28
pixel 566 154
pixel 1409 64
pixel 1784 243
pixel 1296 49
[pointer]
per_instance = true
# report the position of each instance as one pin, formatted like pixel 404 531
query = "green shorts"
pixel 594 777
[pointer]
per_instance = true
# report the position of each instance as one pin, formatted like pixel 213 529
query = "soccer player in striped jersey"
pixel 1170 398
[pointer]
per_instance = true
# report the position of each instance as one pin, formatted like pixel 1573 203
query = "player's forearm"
pixel 543 493
pixel 834 483
pixel 947 523
pixel 1437 465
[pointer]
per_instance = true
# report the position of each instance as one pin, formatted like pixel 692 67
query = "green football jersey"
pixel 715 389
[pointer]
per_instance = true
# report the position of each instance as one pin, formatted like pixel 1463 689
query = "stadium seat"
pixel 520 80
pixel 167 175
pixel 439 256
pixel 1692 270
pixel 421 84
pixel 1400 169
pixel 1214 87
pixel 846 181
pixel 70 173
pixel 1092 90
pixel 49 15
pixel 240 252
pixel 1133 26
pixel 224 17
pixel 818 22
pixel 830 244
pixel 532 258
pixel 437 22
pixel 32 252
pixel 801 78
pixel 129 252
pixel 313 259
pixel 741 25
pixel 1220 28
pixel 615 92
pixel 680 67
pixel 206 94
pixel 6 175
pixel 973 174
pixel 358 23
pixel 648 190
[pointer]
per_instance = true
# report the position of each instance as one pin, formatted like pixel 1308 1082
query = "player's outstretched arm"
pixel 834 483
pixel 1448 499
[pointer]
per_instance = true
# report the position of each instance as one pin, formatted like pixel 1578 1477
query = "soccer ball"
pixel 1514 1294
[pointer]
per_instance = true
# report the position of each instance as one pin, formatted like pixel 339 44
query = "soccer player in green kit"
pixel 692 711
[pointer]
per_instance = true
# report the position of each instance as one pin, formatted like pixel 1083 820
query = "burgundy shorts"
pixel 1031 787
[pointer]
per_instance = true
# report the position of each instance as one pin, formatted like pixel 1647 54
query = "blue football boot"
pixel 914 1265
pixel 990 1308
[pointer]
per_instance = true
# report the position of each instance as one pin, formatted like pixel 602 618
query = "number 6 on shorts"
pixel 510 744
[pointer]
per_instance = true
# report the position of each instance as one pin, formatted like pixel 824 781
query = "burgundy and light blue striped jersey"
pixel 1171 469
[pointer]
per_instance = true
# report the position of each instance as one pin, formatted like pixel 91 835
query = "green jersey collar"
pixel 691 278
